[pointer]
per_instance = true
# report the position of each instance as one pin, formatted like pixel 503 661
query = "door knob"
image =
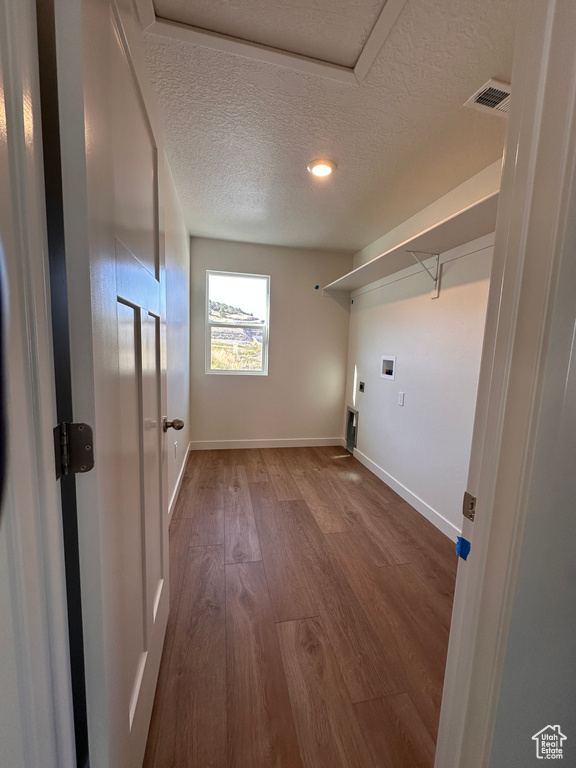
pixel 175 424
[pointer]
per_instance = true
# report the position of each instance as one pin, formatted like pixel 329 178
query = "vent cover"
pixel 494 97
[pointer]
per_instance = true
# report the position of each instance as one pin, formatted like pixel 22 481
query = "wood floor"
pixel 309 618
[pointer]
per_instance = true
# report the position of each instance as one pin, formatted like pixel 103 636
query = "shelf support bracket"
pixel 434 276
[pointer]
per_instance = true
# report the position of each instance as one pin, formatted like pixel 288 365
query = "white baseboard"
pixel 444 525
pixel 304 442
pixel 178 483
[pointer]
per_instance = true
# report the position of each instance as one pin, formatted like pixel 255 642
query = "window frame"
pixel 211 324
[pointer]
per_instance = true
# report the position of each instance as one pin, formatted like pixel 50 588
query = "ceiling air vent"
pixel 494 97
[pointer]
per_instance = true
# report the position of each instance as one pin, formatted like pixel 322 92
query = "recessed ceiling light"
pixel 321 167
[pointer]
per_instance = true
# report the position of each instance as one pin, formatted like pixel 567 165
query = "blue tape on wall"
pixel 462 548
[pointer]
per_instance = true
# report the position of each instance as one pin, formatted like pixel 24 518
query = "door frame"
pixel 538 174
pixel 62 362
pixel 31 512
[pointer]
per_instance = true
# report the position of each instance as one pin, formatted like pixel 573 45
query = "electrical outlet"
pixel 175 449
pixel 401 398
pixel 362 386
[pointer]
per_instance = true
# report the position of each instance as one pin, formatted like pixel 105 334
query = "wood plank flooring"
pixel 309 618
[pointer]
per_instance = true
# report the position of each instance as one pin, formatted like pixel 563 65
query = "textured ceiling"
pixel 330 30
pixel 240 132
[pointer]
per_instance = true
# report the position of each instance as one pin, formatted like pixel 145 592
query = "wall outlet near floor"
pixel 362 386
pixel 401 398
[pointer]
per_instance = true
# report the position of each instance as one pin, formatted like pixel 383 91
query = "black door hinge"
pixel 73 449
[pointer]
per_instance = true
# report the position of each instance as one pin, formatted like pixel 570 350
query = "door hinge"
pixel 73 449
pixel 469 506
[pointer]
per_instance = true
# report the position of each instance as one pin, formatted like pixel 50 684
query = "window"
pixel 237 317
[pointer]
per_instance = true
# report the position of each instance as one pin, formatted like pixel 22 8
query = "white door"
pixel 141 590
pixel 115 272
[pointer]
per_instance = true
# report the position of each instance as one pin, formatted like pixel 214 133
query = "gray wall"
pixel 302 398
pixel 539 680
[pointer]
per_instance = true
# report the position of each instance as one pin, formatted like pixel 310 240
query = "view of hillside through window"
pixel 237 322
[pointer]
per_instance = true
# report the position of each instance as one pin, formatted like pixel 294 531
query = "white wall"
pixel 537 687
pixel 301 401
pixel 177 245
pixel 422 449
